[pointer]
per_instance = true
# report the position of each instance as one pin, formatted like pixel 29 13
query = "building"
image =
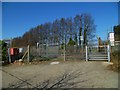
pixel 8 41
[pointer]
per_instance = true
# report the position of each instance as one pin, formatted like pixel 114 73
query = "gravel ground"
pixel 91 74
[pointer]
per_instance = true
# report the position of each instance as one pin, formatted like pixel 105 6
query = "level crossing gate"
pixel 93 52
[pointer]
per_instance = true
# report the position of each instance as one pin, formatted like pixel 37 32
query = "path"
pixel 93 74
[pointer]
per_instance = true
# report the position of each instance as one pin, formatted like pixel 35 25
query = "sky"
pixel 0 20
pixel 19 17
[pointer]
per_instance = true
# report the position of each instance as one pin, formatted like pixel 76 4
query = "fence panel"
pixel 75 53
pixel 55 52
pixel 97 53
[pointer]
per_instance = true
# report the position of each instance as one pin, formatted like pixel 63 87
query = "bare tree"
pixel 89 28
pixel 58 30
pixel 78 22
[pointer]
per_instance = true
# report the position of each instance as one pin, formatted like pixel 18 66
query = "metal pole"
pixel 64 47
pixel 86 54
pixel 9 55
pixel 108 50
pixel 28 53
pixel 9 50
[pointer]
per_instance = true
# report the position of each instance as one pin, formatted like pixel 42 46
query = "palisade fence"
pixel 47 52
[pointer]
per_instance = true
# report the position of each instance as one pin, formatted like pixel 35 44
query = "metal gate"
pixel 94 52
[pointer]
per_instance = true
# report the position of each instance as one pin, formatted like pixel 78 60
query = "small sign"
pixel 111 36
pixel 81 38
pixel 20 50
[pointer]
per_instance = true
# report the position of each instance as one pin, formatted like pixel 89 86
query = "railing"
pixel 93 53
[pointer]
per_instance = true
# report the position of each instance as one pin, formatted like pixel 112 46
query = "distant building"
pixel 8 41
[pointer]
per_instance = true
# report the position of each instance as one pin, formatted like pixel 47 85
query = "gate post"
pixel 28 58
pixel 9 55
pixel 86 54
pixel 108 52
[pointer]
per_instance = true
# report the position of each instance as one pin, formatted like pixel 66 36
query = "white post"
pixel 28 53
pixel 86 54
pixel 108 51
pixel 9 55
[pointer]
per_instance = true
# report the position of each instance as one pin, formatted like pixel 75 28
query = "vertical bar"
pixel 46 50
pixel 9 55
pixel 86 54
pixel 64 47
pixel 108 51
pixel 28 53
pixel 64 55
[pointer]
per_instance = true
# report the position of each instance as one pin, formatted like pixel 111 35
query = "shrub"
pixel 71 42
pixel 115 58
pixel 3 46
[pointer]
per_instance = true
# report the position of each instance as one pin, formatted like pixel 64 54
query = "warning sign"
pixel 111 38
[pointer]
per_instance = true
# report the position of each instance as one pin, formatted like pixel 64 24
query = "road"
pixel 92 74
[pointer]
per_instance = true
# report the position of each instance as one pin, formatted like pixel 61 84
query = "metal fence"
pixel 43 52
pixel 70 52
pixel 75 53
pixel 56 52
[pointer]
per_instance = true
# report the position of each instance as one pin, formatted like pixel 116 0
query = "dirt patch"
pixel 92 74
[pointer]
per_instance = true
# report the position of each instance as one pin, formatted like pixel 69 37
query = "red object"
pixel 14 51
pixel 11 51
